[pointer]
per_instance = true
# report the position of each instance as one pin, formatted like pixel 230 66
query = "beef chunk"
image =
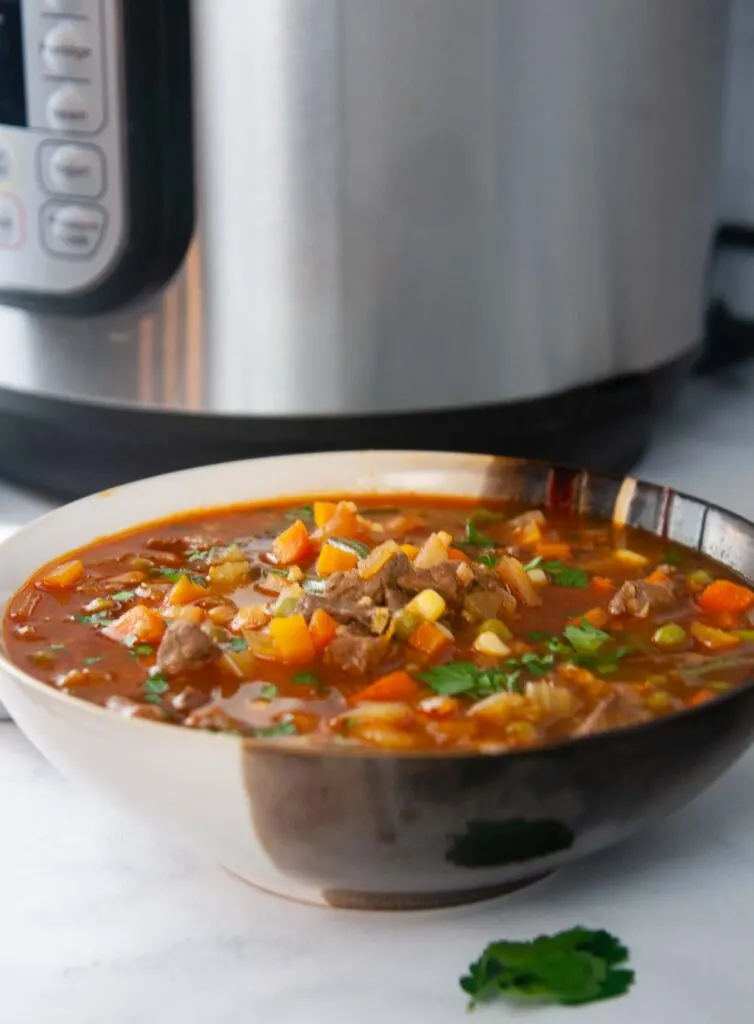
pixel 183 647
pixel 441 577
pixel 345 612
pixel 638 597
pixel 352 652
pixel 621 708
pixel 189 699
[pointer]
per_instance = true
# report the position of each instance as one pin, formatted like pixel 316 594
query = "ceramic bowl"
pixel 359 828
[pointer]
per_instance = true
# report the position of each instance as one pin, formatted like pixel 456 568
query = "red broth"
pixel 397 624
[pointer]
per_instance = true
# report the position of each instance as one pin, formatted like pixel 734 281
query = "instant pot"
pixel 232 228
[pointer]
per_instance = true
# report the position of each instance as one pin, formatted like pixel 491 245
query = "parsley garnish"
pixel 304 512
pixel 124 595
pixel 353 547
pixel 488 558
pixel 57 647
pixel 281 729
pixel 237 643
pixel 95 619
pixel 486 515
pixel 204 554
pixel 175 574
pixel 534 564
pixel 475 537
pixel 671 558
pixel 584 645
pixel 156 684
pixel 268 692
pixel 307 679
pixel 463 677
pixel 585 638
pixel 93 660
pixel 570 968
pixel 563 575
pixel 138 650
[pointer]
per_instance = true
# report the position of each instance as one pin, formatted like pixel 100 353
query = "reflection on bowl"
pixel 352 827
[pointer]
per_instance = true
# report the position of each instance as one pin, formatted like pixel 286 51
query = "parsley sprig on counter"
pixel 570 968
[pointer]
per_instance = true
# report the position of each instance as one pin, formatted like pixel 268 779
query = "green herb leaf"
pixel 475 537
pixel 204 554
pixel 237 643
pixel 124 595
pixel 537 664
pixel 139 650
pixel 156 684
pixel 353 547
pixel 95 619
pixel 488 558
pixel 571 968
pixel 563 575
pixel 281 729
pixel 534 564
pixel 153 698
pixel 671 558
pixel 93 660
pixel 57 647
pixel 486 515
pixel 175 574
pixel 305 512
pixel 586 638
pixel 463 677
pixel 268 692
pixel 305 679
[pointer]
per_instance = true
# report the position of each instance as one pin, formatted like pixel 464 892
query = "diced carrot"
pixel 344 522
pixel 459 556
pixel 398 686
pixel 334 560
pixel 658 576
pixel 554 549
pixel 714 639
pixel 252 616
pixel 140 623
pixel 184 591
pixel 293 642
pixel 429 639
pixel 410 550
pixel 700 697
pixel 603 583
pixel 728 620
pixel 64 575
pixel 377 559
pixel 323 512
pixel 187 613
pixel 596 617
pixel 292 544
pixel 724 596
pixel 322 628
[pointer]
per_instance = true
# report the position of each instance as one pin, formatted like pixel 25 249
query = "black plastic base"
pixel 65 449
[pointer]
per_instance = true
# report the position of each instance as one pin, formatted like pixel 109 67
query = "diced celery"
pixel 670 635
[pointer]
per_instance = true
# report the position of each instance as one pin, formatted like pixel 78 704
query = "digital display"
pixel 12 90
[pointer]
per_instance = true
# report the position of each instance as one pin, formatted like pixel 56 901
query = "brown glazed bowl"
pixel 360 828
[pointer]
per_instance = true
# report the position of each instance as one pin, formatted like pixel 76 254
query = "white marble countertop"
pixel 102 924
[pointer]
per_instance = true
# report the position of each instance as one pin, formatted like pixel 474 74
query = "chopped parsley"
pixel 156 684
pixel 585 645
pixel 270 731
pixel 204 554
pixel 139 650
pixel 268 692
pixel 570 968
pixel 95 619
pixel 563 575
pixel 475 537
pixel 57 647
pixel 305 512
pixel 93 660
pixel 586 638
pixel 124 595
pixel 488 558
pixel 175 574
pixel 307 679
pixel 463 677
pixel 237 643
pixel 671 558
pixel 353 547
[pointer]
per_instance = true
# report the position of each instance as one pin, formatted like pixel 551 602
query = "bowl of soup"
pixel 385 679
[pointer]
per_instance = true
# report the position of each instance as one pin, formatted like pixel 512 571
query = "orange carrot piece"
pixel 64 576
pixel 344 521
pixel 397 686
pixel 700 697
pixel 334 560
pixel 323 512
pixel 596 617
pixel 603 583
pixel 322 628
pixel 293 642
pixel 724 596
pixel 292 544
pixel 184 591
pixel 658 576
pixel 429 639
pixel 140 623
pixel 554 549
pixel 410 550
pixel 459 556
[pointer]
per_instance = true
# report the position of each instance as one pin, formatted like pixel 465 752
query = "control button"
pixel 69 109
pixel 73 170
pixel 67 49
pixel 7 162
pixel 69 230
pixel 11 223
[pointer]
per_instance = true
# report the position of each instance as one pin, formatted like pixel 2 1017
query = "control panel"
pixel 63 179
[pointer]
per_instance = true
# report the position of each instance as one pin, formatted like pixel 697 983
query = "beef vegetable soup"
pixel 408 624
